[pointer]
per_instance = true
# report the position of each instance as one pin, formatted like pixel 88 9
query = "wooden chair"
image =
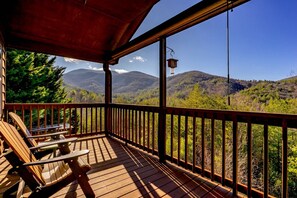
pixel 30 139
pixel 26 133
pixel 44 183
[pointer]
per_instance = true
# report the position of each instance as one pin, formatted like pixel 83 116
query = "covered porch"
pixel 135 149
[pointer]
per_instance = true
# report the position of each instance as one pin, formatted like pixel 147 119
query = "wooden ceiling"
pixel 82 29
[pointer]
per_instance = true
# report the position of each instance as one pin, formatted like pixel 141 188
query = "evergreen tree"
pixel 33 78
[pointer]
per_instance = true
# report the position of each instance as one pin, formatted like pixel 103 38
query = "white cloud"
pixel 137 58
pixel 95 68
pixel 71 60
pixel 121 71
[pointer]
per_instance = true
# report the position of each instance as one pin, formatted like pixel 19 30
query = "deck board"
pixel 124 171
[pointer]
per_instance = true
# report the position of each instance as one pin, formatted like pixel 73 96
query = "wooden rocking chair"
pixel 44 183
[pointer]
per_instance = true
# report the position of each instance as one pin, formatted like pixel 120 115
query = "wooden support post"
pixel 107 111
pixel 162 104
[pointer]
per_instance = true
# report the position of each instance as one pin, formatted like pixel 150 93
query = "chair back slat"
pixel 17 144
pixel 23 128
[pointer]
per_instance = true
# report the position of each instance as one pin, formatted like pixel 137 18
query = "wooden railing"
pixel 216 144
pixel 79 119
pixel 209 141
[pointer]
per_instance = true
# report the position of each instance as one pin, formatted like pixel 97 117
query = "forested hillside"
pixel 200 90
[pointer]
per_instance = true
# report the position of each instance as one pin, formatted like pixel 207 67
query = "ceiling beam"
pixel 198 13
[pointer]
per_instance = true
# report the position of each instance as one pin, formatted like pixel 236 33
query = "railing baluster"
pixel 265 160
pixel 75 120
pixel 126 124
pixel 52 115
pixel 23 113
pixel 235 156
pixel 96 119
pixel 186 141
pixel 249 158
pixel 81 116
pixel 30 118
pixel 139 128
pixel 133 131
pixel 212 148
pixel 284 159
pixel 136 127
pixel 118 122
pixel 153 138
pixel 178 140
pixel 70 121
pixel 148 130
pixel 86 110
pixel 143 130
pixel 100 126
pixel 171 137
pixel 59 111
pixel 194 144
pixel 223 152
pixel 45 117
pixel 91 120
pixel 38 116
pixel 202 145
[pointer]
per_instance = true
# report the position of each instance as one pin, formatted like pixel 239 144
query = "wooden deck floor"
pixel 123 171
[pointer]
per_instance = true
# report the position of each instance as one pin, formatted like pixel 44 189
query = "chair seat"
pixel 57 171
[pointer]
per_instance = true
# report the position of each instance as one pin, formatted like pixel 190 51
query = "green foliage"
pixel 198 99
pixel 77 95
pixel 33 78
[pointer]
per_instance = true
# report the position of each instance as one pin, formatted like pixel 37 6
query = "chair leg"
pixel 82 178
pixel 21 188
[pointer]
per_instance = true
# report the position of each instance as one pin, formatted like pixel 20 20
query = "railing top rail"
pixel 273 119
pixel 18 106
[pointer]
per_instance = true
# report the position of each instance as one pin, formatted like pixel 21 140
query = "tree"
pixel 33 78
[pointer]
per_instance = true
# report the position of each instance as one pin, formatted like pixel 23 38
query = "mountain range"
pixel 133 82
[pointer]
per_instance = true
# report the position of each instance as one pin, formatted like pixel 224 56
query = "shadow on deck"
pixel 123 171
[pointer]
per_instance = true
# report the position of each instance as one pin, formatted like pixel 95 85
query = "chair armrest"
pixel 69 156
pixel 45 128
pixel 47 135
pixel 49 143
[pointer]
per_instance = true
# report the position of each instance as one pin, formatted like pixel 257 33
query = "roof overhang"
pixel 93 30
pixel 82 29
pixel 196 14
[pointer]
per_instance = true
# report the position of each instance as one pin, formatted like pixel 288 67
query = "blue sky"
pixel 263 42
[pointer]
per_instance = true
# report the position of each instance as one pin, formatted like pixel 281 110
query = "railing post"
pixel 162 105
pixel 107 112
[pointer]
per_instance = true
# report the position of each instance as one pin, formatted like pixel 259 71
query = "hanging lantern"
pixel 172 63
